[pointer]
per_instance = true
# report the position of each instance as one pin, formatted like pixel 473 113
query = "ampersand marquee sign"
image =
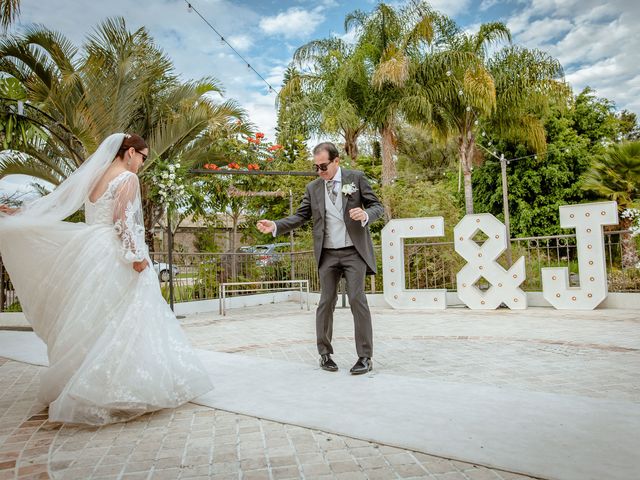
pixel 588 220
pixel 481 263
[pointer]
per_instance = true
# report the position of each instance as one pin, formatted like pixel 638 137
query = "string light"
pixel 495 154
pixel 191 8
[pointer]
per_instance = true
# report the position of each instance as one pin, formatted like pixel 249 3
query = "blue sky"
pixel 597 42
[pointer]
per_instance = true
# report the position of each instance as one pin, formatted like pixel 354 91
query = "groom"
pixel 341 204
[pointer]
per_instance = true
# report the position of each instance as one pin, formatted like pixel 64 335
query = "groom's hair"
pixel 328 147
pixel 131 140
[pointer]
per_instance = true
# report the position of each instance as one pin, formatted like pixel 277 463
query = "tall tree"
pixel 118 81
pixel 510 91
pixel 326 90
pixel 389 40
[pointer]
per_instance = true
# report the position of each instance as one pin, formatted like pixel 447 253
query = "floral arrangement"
pixel 168 182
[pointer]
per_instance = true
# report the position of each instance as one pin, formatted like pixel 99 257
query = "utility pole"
pixel 505 206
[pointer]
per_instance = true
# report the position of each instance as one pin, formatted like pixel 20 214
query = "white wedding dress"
pixel 116 350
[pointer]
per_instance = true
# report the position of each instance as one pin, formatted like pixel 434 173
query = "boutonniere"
pixel 349 189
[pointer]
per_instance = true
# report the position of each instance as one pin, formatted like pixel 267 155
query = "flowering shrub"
pixel 245 153
pixel 632 215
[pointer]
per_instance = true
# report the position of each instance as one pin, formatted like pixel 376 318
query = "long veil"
pixel 70 195
pixel 33 238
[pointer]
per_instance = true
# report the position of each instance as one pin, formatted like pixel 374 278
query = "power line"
pixel 509 160
pixel 224 40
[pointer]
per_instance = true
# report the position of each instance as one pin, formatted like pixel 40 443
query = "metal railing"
pixel 427 265
pixel 261 287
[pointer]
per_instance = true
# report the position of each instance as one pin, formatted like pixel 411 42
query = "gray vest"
pixel 335 230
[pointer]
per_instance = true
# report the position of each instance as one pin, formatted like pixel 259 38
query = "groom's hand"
pixel 266 226
pixel 358 214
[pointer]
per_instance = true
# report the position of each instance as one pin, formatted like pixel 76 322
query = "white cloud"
pixel 293 23
pixel 596 42
pixel 450 7
pixel 541 31
pixel 240 42
pixel 349 37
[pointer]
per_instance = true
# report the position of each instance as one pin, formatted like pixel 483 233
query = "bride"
pixel 116 350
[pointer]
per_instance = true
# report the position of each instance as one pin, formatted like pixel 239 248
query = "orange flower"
pixel 270 159
pixel 259 135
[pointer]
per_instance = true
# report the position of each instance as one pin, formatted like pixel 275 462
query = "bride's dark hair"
pixel 131 140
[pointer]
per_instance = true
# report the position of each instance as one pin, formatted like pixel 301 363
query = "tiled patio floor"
pixel 594 353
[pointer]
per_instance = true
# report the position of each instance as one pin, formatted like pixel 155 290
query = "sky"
pixel 597 42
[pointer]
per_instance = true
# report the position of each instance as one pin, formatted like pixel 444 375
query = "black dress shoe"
pixel 326 363
pixel 363 365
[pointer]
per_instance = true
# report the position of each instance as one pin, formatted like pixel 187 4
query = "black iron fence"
pixel 427 265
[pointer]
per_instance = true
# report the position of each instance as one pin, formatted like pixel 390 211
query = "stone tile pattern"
pixel 594 354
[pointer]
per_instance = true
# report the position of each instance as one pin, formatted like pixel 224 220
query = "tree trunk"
pixel 466 159
pixel 147 212
pixel 351 145
pixel 388 164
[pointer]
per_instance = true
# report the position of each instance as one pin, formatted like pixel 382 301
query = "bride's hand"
pixel 140 266
pixel 8 210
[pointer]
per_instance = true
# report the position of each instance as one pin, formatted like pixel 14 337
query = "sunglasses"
pixel 144 157
pixel 322 167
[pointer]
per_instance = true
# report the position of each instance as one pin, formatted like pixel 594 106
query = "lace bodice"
pixel 121 206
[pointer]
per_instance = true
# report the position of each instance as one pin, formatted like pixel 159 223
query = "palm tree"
pixel 389 41
pixel 119 81
pixel 616 176
pixel 9 11
pixel 325 91
pixel 509 92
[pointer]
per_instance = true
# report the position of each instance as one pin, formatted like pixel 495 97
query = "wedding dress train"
pixel 115 348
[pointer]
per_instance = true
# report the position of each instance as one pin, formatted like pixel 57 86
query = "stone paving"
pixel 594 353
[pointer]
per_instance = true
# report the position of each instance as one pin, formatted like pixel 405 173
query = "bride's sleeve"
pixel 128 221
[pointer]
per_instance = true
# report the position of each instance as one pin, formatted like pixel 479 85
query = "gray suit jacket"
pixel 313 207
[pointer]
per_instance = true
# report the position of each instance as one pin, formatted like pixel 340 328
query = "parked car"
pixel 270 253
pixel 162 269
